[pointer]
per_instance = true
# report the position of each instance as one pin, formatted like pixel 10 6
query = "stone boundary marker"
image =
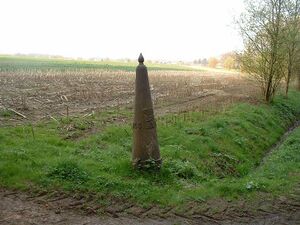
pixel 145 153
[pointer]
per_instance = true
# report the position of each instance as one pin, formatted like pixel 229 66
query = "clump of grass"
pixel 182 169
pixel 223 165
pixel 5 113
pixel 72 128
pixel 68 171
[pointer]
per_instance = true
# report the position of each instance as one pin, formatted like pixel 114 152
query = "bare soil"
pixel 24 208
pixel 43 94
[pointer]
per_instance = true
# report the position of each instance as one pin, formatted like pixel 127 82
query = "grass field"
pixel 9 63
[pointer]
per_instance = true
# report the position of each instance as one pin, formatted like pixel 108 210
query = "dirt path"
pixel 21 209
pixel 17 208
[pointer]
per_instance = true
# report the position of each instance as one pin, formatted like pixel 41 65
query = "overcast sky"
pixel 161 29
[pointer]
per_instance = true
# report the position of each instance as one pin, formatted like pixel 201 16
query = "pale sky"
pixel 160 29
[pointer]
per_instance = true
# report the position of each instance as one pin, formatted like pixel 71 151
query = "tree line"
pixel 228 61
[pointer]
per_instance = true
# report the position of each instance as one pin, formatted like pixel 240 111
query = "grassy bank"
pixel 219 156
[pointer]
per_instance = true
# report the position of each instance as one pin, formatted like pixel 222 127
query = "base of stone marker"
pixel 149 164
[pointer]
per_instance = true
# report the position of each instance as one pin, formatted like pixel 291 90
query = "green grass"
pixel 278 174
pixel 5 113
pixel 216 157
pixel 282 168
pixel 14 63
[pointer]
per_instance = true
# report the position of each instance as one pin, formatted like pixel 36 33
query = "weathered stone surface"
pixel 145 145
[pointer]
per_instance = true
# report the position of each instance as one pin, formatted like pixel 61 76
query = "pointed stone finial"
pixel 141 58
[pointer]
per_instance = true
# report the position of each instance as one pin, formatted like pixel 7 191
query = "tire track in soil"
pixel 25 208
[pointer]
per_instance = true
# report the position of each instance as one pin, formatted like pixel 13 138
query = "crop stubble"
pixel 42 93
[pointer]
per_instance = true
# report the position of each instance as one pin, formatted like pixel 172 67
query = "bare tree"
pixel 262 29
pixel 292 39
